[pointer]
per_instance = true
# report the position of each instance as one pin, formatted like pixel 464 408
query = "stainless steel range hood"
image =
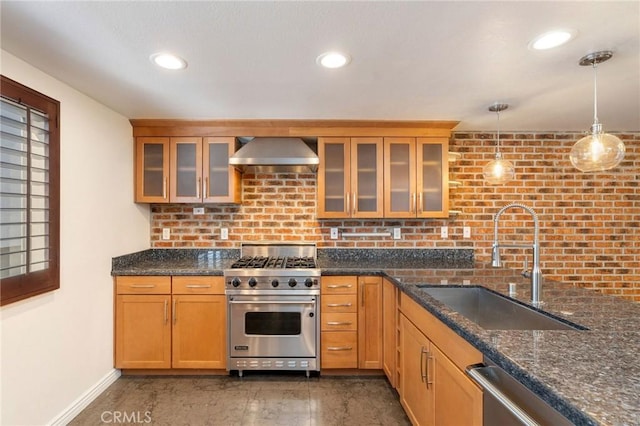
pixel 275 155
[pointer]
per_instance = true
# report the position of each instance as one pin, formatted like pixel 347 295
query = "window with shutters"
pixel 29 192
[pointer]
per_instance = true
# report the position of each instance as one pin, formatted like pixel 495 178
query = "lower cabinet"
pixel 351 322
pixel 170 322
pixel 390 332
pixel 433 388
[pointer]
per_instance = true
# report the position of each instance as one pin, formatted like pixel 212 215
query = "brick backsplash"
pixel 589 222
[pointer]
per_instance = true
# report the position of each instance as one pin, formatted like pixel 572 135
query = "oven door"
pixel 272 326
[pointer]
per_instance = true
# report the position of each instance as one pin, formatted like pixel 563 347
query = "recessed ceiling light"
pixel 168 61
pixel 551 39
pixel 333 60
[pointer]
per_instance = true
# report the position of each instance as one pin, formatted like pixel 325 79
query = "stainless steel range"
pixel 273 297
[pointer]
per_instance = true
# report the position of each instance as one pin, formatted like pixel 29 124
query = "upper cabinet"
pixel 416 177
pixel 152 170
pixel 186 170
pixel 350 177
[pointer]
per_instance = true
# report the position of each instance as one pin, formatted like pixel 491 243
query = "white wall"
pixel 57 346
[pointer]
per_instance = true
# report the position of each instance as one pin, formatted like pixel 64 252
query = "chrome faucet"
pixel 536 273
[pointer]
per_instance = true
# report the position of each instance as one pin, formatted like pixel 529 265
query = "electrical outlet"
pixel 444 232
pixel 166 233
pixel 397 233
pixel 198 210
pixel 466 232
pixel 334 233
pixel 444 282
pixel 224 233
pixel 466 282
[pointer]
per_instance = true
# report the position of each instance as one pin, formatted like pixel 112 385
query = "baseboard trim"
pixel 85 399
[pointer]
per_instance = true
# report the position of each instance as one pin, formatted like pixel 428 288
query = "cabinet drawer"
pixel 339 303
pixel 339 322
pixel 339 285
pixel 198 285
pixel 143 285
pixel 339 349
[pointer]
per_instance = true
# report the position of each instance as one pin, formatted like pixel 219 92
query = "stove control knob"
pixel 275 283
pixel 235 282
pixel 292 282
pixel 308 282
pixel 252 282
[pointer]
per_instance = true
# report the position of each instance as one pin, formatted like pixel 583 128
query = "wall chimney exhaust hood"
pixel 275 155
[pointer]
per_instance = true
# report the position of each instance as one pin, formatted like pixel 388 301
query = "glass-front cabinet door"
pixel 222 183
pixel 186 170
pixel 366 177
pixel 400 196
pixel 334 181
pixel 433 177
pixel 152 170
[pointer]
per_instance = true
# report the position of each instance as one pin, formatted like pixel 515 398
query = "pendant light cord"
pixel 498 137
pixel 595 93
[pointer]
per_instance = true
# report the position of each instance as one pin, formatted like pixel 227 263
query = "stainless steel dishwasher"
pixel 507 402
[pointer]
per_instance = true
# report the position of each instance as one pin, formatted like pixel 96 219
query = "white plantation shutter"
pixel 28 257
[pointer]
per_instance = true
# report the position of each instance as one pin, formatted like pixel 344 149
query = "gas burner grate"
pixel 262 262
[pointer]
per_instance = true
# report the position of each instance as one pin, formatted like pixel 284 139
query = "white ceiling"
pixel 411 60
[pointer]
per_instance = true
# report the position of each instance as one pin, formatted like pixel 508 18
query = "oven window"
pixel 272 323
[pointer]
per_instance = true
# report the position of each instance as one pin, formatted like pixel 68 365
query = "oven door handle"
pixel 272 302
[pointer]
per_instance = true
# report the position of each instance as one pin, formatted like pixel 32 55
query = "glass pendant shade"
pixel 498 171
pixel 597 152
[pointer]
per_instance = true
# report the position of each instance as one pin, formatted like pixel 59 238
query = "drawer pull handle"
pixel 339 348
pixel 338 305
pixel 339 323
pixel 339 286
pixel 142 285
pixel 198 285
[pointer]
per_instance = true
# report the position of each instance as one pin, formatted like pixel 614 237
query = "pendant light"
pixel 498 171
pixel 597 151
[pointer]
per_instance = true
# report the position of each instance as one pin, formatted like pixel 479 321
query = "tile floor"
pixel 256 399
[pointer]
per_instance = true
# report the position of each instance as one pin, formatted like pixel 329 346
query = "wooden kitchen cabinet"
pixel 200 170
pixel 416 174
pixel 390 332
pixel 152 170
pixel 199 317
pixel 433 388
pixel 339 323
pixel 165 322
pixel 370 322
pixel 350 177
pixel 186 170
pixel 142 322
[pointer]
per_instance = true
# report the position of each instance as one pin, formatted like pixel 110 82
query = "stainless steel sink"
pixel 493 311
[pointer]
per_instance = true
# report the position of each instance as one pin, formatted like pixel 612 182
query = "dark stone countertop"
pixel 591 376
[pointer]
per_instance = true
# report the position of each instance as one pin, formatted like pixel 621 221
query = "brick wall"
pixel 589 223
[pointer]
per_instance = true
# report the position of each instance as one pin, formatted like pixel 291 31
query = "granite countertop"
pixel 591 376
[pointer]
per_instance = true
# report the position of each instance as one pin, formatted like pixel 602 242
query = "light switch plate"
pixel 466 232
pixel 224 233
pixel 397 233
pixel 166 233
pixel 198 210
pixel 334 233
pixel 444 232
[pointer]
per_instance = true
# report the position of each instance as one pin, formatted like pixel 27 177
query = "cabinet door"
pixel 370 323
pixel 433 177
pixel 199 331
pixel 416 395
pixel 143 331
pixel 389 332
pixel 400 197
pixel 186 170
pixel 222 182
pixel 152 170
pixel 339 349
pixel 334 179
pixel 458 401
pixel 366 178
